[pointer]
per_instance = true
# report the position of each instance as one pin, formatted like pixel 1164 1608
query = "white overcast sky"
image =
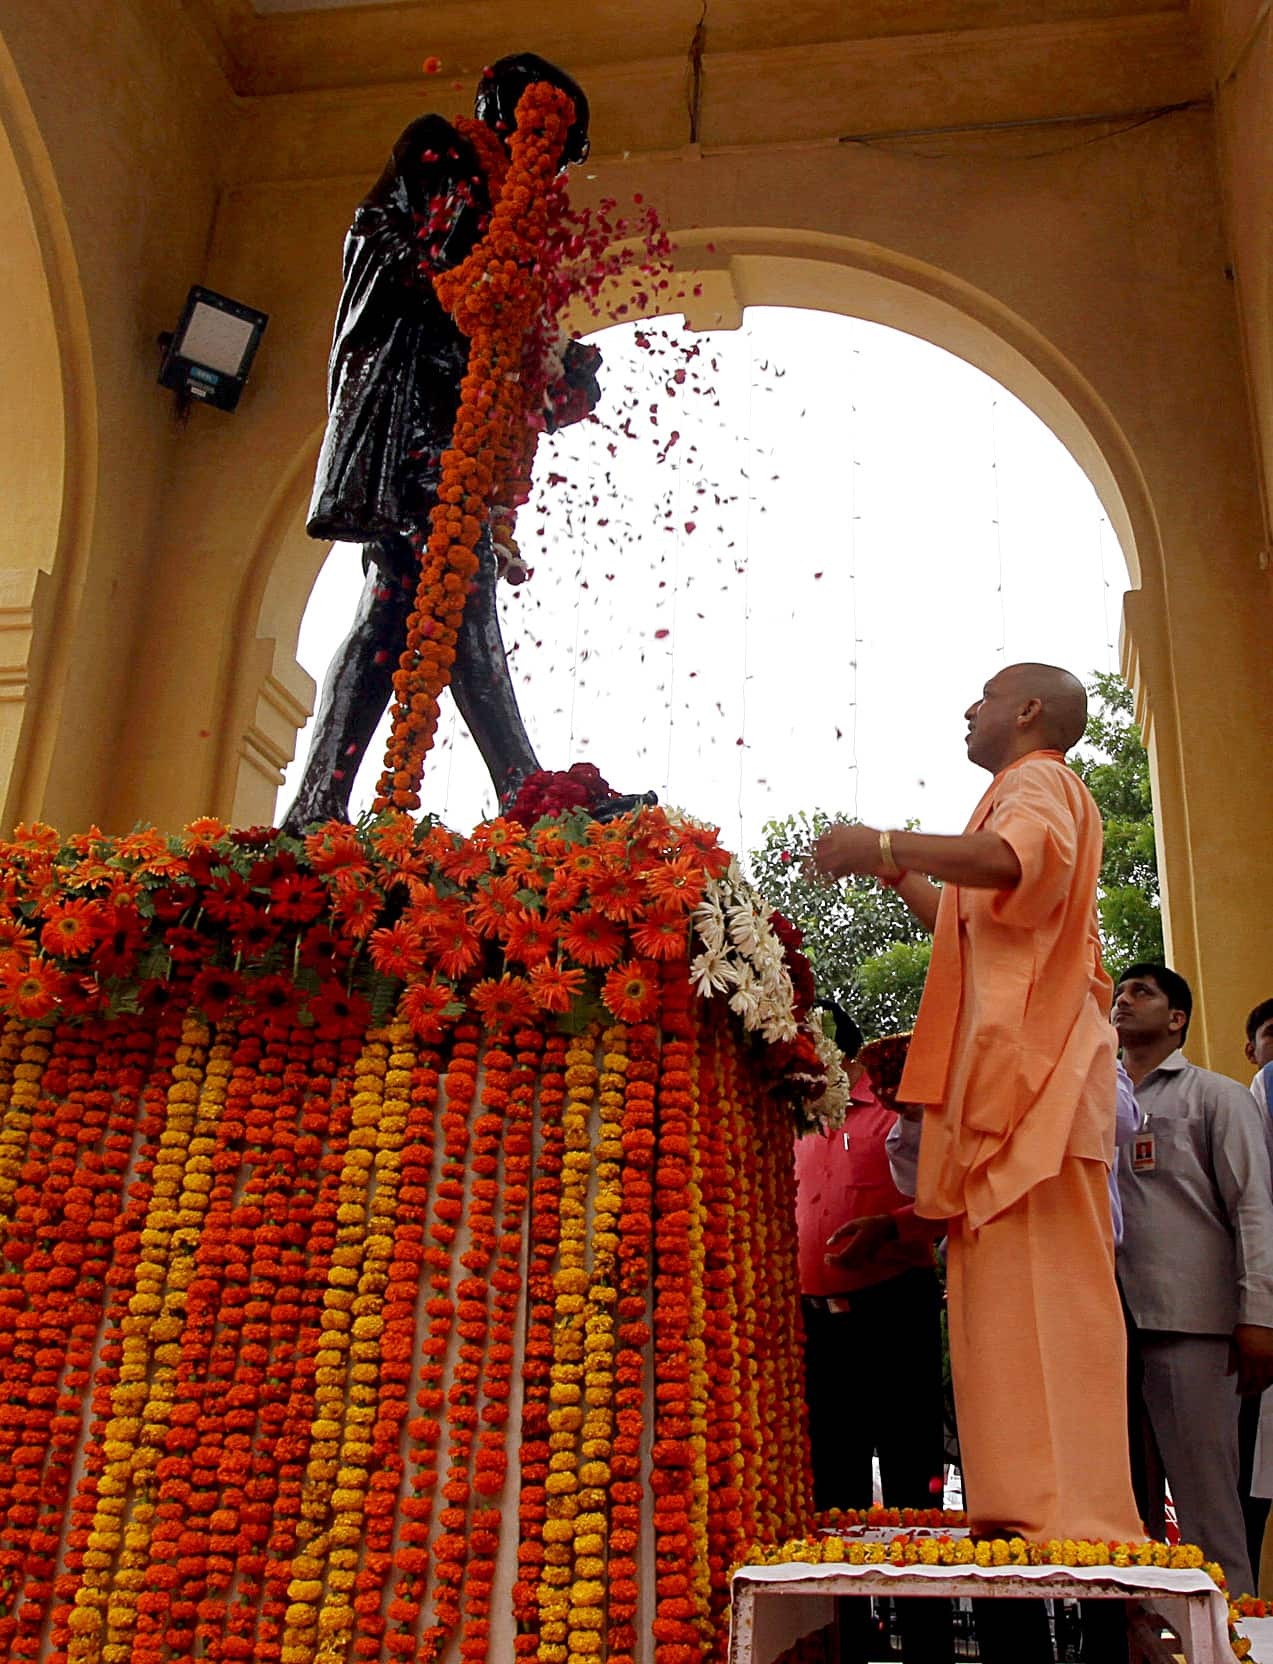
pixel 877 528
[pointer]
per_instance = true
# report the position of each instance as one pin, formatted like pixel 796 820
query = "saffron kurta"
pixel 1013 1059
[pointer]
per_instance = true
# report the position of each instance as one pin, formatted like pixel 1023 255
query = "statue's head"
pixel 503 84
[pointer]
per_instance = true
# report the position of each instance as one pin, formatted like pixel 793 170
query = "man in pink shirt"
pixel 873 1365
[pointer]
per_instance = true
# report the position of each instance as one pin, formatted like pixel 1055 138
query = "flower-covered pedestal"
pixel 396 1250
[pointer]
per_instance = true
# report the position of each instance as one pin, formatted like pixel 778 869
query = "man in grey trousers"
pixel 1195 1266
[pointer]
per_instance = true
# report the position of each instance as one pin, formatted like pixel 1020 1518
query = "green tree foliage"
pixel 1114 766
pixel 867 949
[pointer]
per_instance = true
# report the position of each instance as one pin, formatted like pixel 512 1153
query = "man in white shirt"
pixel 1195 1265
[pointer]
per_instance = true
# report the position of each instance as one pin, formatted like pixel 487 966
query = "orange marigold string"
pixel 493 296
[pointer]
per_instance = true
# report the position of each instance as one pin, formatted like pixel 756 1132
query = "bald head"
pixel 1027 707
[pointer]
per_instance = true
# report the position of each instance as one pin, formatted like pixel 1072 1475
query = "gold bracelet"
pixel 891 868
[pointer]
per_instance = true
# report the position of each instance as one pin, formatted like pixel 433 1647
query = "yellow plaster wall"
pixel 117 119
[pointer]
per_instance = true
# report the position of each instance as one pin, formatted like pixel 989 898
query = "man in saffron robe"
pixel 1013 1060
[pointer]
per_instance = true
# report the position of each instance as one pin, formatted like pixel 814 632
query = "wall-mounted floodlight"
pixel 210 352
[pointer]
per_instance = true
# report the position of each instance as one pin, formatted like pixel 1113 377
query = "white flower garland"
pixel 742 959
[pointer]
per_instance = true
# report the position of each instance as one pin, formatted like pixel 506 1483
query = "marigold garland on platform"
pixel 566 916
pixel 307 1152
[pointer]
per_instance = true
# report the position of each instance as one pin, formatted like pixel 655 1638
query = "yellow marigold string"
pixel 909 1550
pixel 326 1559
pixel 586 1613
pixel 556 1594
pixel 20 1052
pixel 141 1401
pixel 383 1108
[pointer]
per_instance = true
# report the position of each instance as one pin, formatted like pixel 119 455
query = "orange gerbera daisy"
pixel 592 938
pixel 619 895
pixel 494 903
pixel 456 946
pixel 631 991
pixel 660 934
pixel 357 908
pixel 523 864
pixel 531 937
pixel 397 949
pixel 464 862
pixel 551 842
pixel 704 840
pixel 505 1003
pixel 393 837
pixel 563 892
pixel 554 985
pixel 610 834
pixel 204 831
pixel 651 830
pixel 586 862
pixel 33 994
pixel 143 845
pixel 14 934
pixel 334 847
pixel 37 835
pixel 677 882
pixel 427 1006
pixel 71 928
pixel 498 834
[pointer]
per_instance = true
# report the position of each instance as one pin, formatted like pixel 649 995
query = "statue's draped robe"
pixel 397 359
pixel 1013 1058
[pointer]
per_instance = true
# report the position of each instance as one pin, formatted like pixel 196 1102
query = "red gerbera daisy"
pixel 397 949
pixel 531 937
pixel 505 1003
pixel 429 1007
pixel 297 898
pixel 336 1012
pixel 275 995
pixel 123 937
pixel 357 908
pixel 493 904
pixel 660 934
pixel 456 947
pixel 553 985
pixel 592 939
pixel 631 991
pixel 215 990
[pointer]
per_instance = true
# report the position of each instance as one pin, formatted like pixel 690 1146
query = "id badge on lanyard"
pixel 1143 1160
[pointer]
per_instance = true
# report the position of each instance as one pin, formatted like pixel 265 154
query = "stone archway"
pixel 267 695
pixel 47 450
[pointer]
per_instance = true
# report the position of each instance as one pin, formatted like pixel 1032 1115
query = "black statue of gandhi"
pixel 394 375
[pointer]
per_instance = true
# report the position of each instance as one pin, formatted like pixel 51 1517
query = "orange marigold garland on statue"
pixel 493 295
